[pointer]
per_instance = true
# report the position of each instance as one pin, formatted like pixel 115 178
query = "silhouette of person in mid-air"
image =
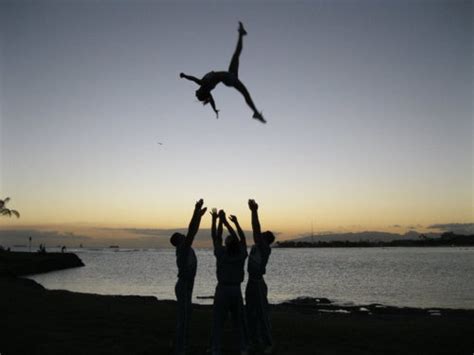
pixel 230 274
pixel 229 78
pixel 256 291
pixel 187 265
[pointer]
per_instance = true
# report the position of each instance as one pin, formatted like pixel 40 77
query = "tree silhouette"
pixel 6 211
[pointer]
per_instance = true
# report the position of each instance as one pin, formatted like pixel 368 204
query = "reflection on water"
pixel 417 277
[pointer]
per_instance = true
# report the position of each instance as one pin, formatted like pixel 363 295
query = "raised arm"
pixel 195 221
pixel 240 232
pixel 218 240
pixel 229 227
pixel 213 227
pixel 213 104
pixel 257 233
pixel 190 77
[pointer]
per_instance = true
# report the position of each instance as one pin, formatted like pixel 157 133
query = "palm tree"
pixel 6 211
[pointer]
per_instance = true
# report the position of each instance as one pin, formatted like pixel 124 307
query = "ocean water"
pixel 415 277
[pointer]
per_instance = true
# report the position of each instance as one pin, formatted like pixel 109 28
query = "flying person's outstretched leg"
pixel 234 63
pixel 243 90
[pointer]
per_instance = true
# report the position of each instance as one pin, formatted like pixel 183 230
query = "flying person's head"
pixel 231 245
pixel 203 95
pixel 176 239
pixel 268 237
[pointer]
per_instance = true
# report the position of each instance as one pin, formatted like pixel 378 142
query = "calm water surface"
pixel 417 277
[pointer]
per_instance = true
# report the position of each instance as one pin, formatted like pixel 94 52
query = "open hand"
pixel 198 207
pixel 233 219
pixel 199 204
pixel 214 213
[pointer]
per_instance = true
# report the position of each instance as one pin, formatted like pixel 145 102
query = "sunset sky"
pixel 368 103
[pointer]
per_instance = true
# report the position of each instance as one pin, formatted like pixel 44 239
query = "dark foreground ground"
pixel 38 321
pixel 34 320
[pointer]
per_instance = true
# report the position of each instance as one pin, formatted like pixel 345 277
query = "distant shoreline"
pixel 446 240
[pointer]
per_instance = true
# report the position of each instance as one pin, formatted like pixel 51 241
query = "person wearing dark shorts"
pixel 256 291
pixel 230 274
pixel 187 265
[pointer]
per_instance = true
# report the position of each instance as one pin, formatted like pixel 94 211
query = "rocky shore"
pixel 23 263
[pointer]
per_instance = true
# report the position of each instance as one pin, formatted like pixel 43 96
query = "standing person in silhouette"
pixel 256 290
pixel 187 264
pixel 228 78
pixel 230 274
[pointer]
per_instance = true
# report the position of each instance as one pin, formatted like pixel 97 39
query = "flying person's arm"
pixel 195 221
pixel 257 233
pixel 190 77
pixel 213 104
pixel 240 232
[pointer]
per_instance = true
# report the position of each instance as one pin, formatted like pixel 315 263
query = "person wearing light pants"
pixel 187 265
pixel 230 274
pixel 256 291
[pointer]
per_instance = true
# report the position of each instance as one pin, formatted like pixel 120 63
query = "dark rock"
pixel 23 263
pixel 308 301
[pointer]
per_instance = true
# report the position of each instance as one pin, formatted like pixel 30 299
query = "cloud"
pixel 159 237
pixel 48 237
pixel 458 228
pixel 104 237
pixel 146 232
pixel 159 232
pixel 203 233
pixel 156 233
pixel 408 226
